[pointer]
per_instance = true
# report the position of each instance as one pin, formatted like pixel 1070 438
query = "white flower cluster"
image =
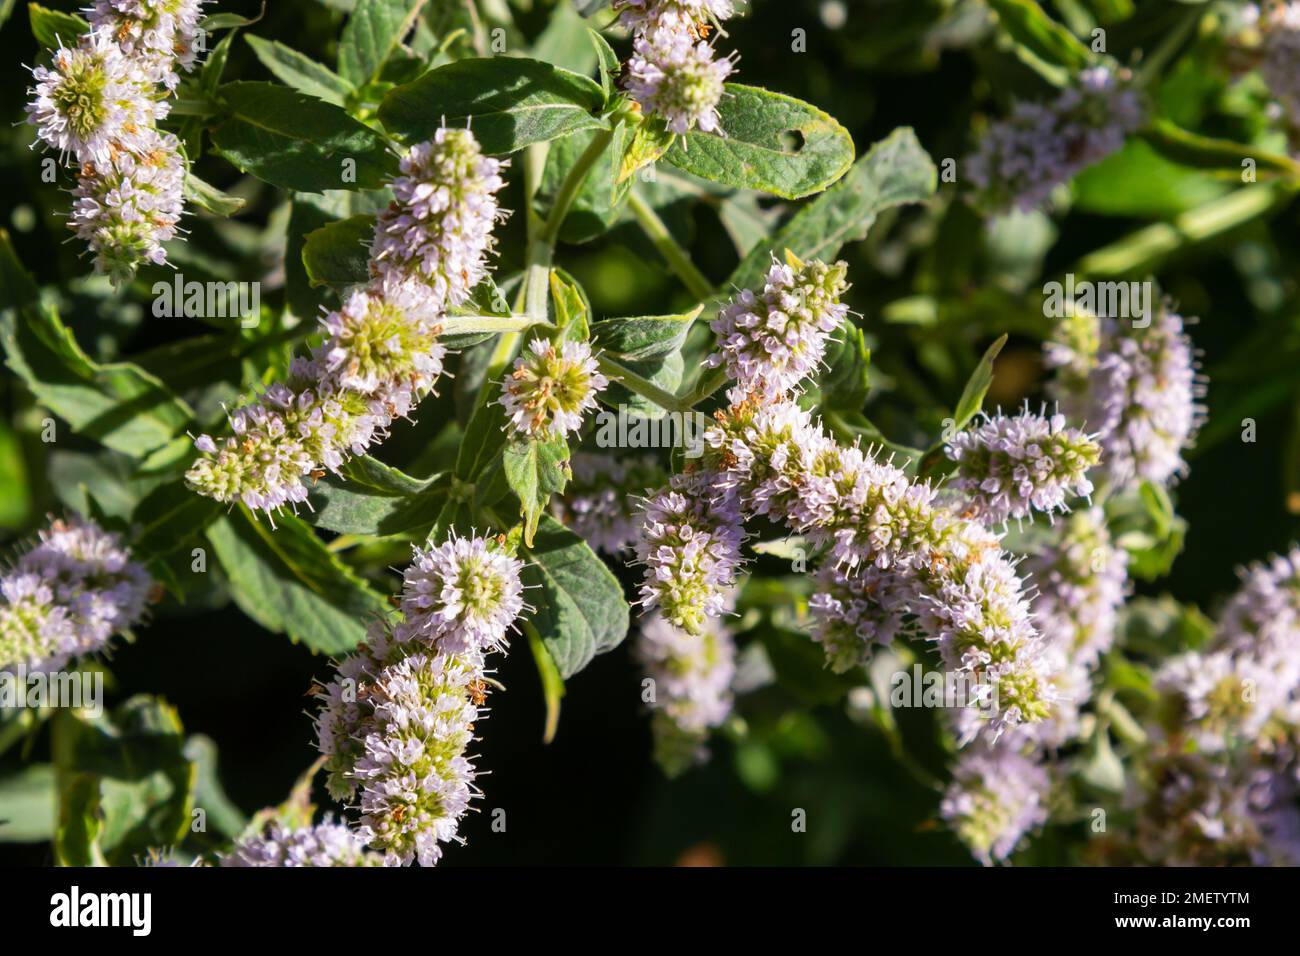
pixel 1141 394
pixel 997 796
pixel 673 72
pixel 98 104
pixel 324 844
pixel 381 355
pixel 551 387
pixel 692 675
pixel 398 719
pixel 1011 466
pixel 65 597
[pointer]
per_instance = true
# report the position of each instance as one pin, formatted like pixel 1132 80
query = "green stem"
pixel 463 324
pixel 641 385
pixel 1173 40
pixel 696 282
pixel 552 682
pixel 572 183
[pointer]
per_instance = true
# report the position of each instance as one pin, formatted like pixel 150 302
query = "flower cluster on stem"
pixel 66 596
pixel 397 721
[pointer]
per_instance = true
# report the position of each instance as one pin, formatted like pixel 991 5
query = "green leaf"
pixel 131 786
pixel 54 28
pixel 977 386
pixel 1029 26
pixel 580 607
pixel 295 141
pixel 773 143
pixel 535 470
pixel 338 255
pixel 845 383
pixel 645 337
pixel 209 197
pixel 650 140
pixel 552 682
pixel 372 34
pixel 370 497
pixel 117 404
pixel 600 200
pixel 300 71
pixel 895 171
pixel 607 60
pixel 169 519
pixel 286 580
pixel 28 805
pixel 513 102
pixel 209 796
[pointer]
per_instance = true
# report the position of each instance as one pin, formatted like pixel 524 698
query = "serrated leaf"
pixel 535 470
pixel 338 255
pixel 300 71
pixel 513 102
pixel 369 497
pixel 295 141
pixel 644 338
pixel 607 59
pixel 286 580
pixel 373 32
pixel 54 28
pixel 117 404
pixel 581 611
pixel 894 171
pixel 773 143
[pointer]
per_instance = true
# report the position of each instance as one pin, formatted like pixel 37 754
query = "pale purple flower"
pixel 159 35
pixel 551 387
pixel 438 230
pixel 997 797
pixel 650 16
pixel 126 207
pixel 325 844
pixel 771 341
pixel 1141 398
pixel 599 503
pixel 691 552
pixel 1021 159
pixel 382 335
pixel 1010 466
pixel 68 595
pixel 853 614
pixel 675 77
pixel 92 102
pixel 692 675
pixel 1279 26
pixel 465 594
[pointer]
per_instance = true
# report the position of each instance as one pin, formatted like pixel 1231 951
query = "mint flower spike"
pixel 1021 159
pixel 437 232
pixel 397 721
pixel 852 614
pixel 692 676
pixel 674 77
pixel 997 797
pixel 1142 397
pixel 159 35
pixel 381 357
pixel 92 102
pixel 1010 466
pixel 126 208
pixel 551 387
pixel 325 844
pixel 771 341
pixel 68 595
pixel 951 573
pixel 650 16
pixel 690 547
pixel 465 594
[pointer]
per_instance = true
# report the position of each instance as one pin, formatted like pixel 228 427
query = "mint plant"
pixel 393 410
